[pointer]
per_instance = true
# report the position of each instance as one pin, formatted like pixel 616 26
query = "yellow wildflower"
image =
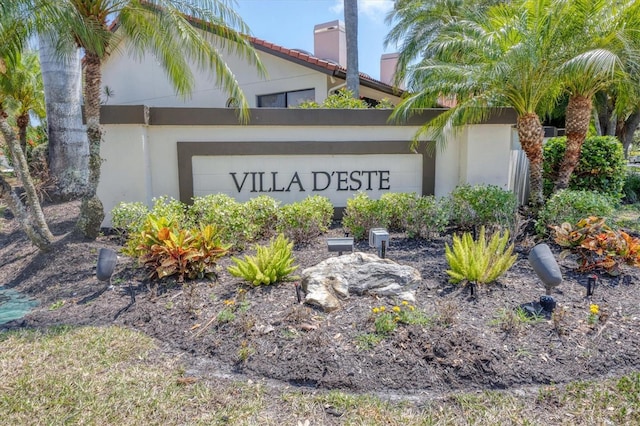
pixel 594 309
pixel 412 308
pixel 405 303
pixel 382 308
pixel 229 302
pixel 375 310
pixel 396 309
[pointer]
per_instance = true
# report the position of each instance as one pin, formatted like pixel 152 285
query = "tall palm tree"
pixel 30 217
pixel 596 48
pixel 24 88
pixel 68 147
pixel 416 23
pixel 175 32
pixel 351 29
pixel 503 56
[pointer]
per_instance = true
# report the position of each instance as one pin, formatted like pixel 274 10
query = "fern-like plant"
pixel 270 265
pixel 479 261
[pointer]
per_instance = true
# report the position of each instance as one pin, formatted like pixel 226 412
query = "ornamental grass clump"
pixel 271 264
pixel 479 261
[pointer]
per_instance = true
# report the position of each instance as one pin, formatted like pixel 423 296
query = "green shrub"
pixel 342 99
pixel 426 217
pixel 478 261
pixel 395 206
pixel 571 206
pixel 169 250
pixel 270 265
pixel 304 220
pixel 262 212
pixel 363 213
pixel 128 218
pixel 482 205
pixel 601 168
pixel 631 188
pixel 173 209
pixel 228 216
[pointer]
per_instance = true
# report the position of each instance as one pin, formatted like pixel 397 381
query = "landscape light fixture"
pixel 107 260
pixel 379 238
pixel 340 245
pixel 544 264
pixel 106 264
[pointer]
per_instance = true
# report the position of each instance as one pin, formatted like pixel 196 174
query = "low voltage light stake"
pixel 591 285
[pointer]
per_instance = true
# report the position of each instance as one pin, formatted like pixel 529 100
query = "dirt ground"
pixel 472 343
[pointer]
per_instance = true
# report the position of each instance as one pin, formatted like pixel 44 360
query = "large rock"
pixel 334 279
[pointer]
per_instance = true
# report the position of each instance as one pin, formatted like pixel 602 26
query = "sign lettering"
pixel 337 180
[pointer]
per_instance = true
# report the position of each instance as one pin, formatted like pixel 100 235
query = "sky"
pixel 289 23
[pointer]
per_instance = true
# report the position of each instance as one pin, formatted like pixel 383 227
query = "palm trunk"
pixel 531 135
pixel 91 209
pixel 23 123
pixel 578 117
pixel 627 130
pixel 32 221
pixel 68 147
pixel 351 29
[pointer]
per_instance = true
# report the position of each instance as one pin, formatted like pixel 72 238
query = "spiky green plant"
pixel 271 263
pixel 479 261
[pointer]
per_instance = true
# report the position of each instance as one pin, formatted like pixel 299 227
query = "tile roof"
pixel 302 58
pixel 322 65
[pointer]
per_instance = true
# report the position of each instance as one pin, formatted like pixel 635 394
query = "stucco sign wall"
pixel 291 177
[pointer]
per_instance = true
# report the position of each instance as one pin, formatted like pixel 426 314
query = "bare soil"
pixel 473 342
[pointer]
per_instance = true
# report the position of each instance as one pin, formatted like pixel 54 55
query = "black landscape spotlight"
pixel 106 264
pixel 544 263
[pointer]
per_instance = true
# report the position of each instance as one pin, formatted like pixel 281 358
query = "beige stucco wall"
pixel 136 81
pixel 141 161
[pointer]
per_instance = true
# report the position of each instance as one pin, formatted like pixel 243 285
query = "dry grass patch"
pixel 106 376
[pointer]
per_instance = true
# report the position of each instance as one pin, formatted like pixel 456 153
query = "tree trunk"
pixel 578 116
pixel 531 135
pixel 32 221
pixel 12 200
pixel 351 29
pixel 627 130
pixel 23 123
pixel 91 209
pixel 68 147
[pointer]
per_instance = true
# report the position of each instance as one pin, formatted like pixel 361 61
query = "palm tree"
pixel 175 32
pixel 68 146
pixel 503 56
pixel 595 47
pixel 23 86
pixel 351 29
pixel 31 217
pixel 416 23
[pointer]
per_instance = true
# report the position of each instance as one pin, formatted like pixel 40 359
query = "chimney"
pixel 388 62
pixel 330 42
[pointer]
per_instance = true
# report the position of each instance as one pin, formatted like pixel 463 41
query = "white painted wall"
pixel 141 81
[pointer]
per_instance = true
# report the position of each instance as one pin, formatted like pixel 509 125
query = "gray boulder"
pixel 336 278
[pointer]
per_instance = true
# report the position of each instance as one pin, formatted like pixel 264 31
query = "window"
pixel 286 99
